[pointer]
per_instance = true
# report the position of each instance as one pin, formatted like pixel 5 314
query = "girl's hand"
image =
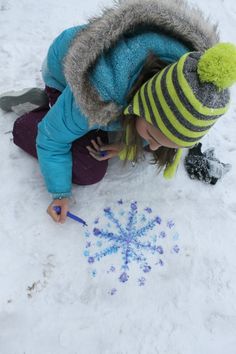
pixel 102 152
pixel 64 204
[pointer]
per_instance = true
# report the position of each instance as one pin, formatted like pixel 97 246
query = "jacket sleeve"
pixel 52 67
pixel 63 124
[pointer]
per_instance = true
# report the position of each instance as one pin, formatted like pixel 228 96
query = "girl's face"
pixel 153 135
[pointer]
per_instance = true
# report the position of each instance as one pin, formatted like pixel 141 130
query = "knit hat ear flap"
pixel 170 170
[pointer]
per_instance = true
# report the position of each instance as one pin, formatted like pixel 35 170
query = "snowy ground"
pixel 53 300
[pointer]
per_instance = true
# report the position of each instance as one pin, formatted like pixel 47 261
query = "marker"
pixel 103 153
pixel 70 215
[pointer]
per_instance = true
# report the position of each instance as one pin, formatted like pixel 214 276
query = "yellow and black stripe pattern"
pixel 175 101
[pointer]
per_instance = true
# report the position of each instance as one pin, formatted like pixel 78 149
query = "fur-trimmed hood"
pixel 174 17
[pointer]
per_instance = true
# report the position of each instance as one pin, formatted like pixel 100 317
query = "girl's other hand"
pixel 102 152
pixel 64 204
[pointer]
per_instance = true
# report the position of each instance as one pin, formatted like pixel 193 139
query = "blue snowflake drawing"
pixel 133 236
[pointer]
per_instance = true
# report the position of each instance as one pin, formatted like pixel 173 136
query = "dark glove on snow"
pixel 204 166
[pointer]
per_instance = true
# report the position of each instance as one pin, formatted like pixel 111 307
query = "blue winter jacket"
pixel 94 66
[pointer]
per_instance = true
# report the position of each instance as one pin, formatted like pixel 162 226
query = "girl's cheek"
pixel 141 130
pixel 141 134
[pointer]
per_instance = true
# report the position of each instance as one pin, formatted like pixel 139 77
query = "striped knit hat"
pixel 186 98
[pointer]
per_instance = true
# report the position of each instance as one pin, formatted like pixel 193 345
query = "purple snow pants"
pixel 86 170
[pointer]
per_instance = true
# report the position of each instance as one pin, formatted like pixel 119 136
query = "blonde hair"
pixel 164 155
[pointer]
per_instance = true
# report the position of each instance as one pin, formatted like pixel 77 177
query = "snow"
pixel 50 302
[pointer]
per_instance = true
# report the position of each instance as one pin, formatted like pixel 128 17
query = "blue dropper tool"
pixel 70 215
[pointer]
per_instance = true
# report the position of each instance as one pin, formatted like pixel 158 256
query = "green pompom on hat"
pixel 186 98
pixel 218 65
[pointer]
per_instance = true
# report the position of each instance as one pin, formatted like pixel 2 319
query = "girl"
pixel 115 74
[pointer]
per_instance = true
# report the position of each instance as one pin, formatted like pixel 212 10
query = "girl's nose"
pixel 154 146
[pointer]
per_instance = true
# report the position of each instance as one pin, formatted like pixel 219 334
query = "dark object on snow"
pixel 204 165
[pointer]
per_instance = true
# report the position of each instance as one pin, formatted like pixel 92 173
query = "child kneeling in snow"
pixel 153 71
